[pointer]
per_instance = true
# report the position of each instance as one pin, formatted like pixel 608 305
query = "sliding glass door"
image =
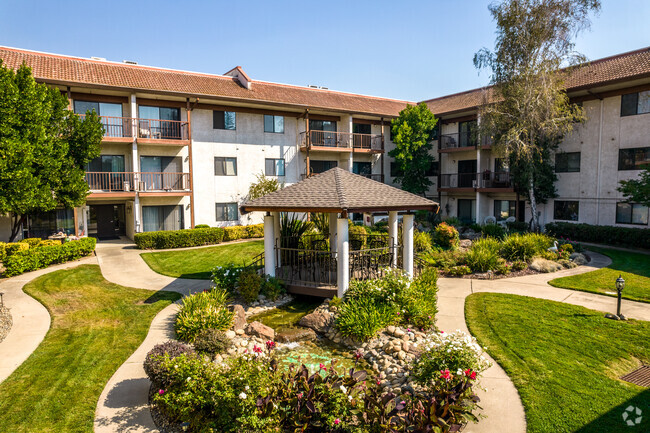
pixel 156 218
pixel 162 172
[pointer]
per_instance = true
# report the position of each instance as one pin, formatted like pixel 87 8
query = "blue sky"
pixel 411 50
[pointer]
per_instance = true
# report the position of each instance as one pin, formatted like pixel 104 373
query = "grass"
pixel 198 263
pixel 96 326
pixel 634 267
pixel 564 361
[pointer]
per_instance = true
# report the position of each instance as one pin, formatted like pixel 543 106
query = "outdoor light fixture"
pixel 620 285
pixel 185 426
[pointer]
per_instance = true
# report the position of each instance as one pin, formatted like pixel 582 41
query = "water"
pixel 285 319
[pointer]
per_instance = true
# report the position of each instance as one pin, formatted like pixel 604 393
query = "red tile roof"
pixel 626 66
pixel 66 70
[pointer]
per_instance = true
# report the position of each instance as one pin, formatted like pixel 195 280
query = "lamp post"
pixel 620 285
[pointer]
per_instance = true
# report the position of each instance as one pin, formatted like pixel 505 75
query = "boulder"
pixel 260 330
pixel 317 321
pixel 465 244
pixel 578 259
pixel 297 334
pixel 240 317
pixel 230 334
pixel 540 264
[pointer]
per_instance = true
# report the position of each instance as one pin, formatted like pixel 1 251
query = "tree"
pixel 264 185
pixel 528 111
pixel 44 147
pixel 412 135
pixel 637 190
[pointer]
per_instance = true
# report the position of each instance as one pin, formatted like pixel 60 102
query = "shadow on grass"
pixel 161 295
pixel 613 421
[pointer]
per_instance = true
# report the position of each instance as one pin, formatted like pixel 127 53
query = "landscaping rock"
pixel 240 317
pixel 260 330
pixel 579 259
pixel 317 321
pixel 230 334
pixel 298 334
pixel 465 244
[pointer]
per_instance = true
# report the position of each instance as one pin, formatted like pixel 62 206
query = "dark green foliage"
pixel 363 318
pixel 272 288
pixel 41 257
pixel 541 168
pixel 179 238
pixel 211 341
pixel 201 226
pixel 249 285
pixel 482 259
pixel 517 226
pixel 637 190
pixel 608 235
pixel 357 236
pixel 203 310
pixel 493 230
pixel 153 361
pixel 412 135
pixel 44 147
pixel 524 247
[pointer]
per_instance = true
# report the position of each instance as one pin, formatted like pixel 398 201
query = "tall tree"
pixel 528 110
pixel 637 190
pixel 44 147
pixel 412 135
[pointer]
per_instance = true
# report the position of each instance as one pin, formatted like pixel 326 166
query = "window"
pixel 274 167
pixel 159 113
pixel 566 210
pixel 633 159
pixel 362 168
pixel 433 169
pixel 322 125
pixel 224 166
pixel 224 120
pixel 567 162
pixel 321 166
pixel 467 133
pixel 114 125
pixel 44 224
pixel 157 218
pixel 395 170
pixel 631 213
pixel 635 103
pixel 504 209
pixel 362 128
pixel 115 177
pixel 501 165
pixel 106 164
pixel 162 172
pixel 227 212
pixel 274 124
pixel 160 123
pixel 466 211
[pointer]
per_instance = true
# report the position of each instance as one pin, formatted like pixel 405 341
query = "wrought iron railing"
pixel 486 179
pixel 342 140
pixel 458 180
pixel 370 263
pixel 310 267
pixel 158 129
pixel 132 181
pixel 116 127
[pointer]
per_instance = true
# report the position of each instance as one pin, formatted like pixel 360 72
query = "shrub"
pixel 455 352
pixel 519 265
pixel 255 231
pixel 203 310
pixel 3 251
pixel 153 361
pixel 32 242
pixel 226 277
pixel 502 267
pixel 446 236
pixel 459 271
pixel 608 235
pixel 15 247
pixel 568 248
pixel 524 247
pixel 453 221
pixel 249 285
pixel 49 243
pixel 363 318
pixel 201 226
pixel 517 226
pixel 272 288
pixel 483 255
pixel 179 238
pixel 493 231
pixel 211 341
pixel 421 241
pixel 25 260
pixel 358 236
pixel 233 233
pixel 444 259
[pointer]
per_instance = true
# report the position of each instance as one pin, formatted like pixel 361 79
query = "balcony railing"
pixel 116 127
pixel 342 140
pixel 157 129
pixel 487 179
pixel 457 141
pixel 137 181
pixel 377 177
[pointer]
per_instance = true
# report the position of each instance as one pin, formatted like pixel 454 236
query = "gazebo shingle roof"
pixel 338 190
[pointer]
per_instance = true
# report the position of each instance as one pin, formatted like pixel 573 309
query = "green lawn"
pixel 635 268
pixel 96 326
pixel 198 263
pixel 564 361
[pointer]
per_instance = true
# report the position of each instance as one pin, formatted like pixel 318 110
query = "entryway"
pixel 106 221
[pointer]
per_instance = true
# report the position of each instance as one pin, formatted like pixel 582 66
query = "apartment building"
pixel 474 182
pixel 182 148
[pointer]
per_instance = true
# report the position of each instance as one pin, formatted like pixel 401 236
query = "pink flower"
pixel 402 402
pixel 257 349
pixel 471 374
pixel 161 391
pixel 408 329
pixel 322 366
pixel 358 354
pixel 337 421
pixel 300 395
pixel 445 374
pixel 270 345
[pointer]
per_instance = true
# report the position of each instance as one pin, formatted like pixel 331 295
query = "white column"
pixel 269 250
pixel 407 243
pixel 479 181
pixel 276 228
pixel 137 225
pixel 342 256
pixel 392 234
pixel 333 226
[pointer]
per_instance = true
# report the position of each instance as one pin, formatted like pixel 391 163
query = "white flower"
pixel 247 387
pixel 188 379
pixel 243 396
pixel 344 389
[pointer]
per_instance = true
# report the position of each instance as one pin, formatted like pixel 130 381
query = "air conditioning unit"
pixel 127 186
pixel 142 186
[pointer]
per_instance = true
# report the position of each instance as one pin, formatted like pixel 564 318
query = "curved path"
pixel 31 320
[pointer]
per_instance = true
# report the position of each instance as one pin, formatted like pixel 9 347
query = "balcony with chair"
pixel 341 142
pixel 487 181
pixel 163 132
pixel 456 142
pixel 126 184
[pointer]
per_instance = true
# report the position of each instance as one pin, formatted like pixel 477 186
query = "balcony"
pixel 341 141
pixel 377 177
pixel 116 128
pixel 456 142
pixel 125 184
pixel 487 181
pixel 157 131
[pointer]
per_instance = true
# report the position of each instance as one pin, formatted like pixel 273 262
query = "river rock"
pixel 240 317
pixel 317 321
pixel 230 334
pixel 399 333
pixel 298 334
pixel 258 329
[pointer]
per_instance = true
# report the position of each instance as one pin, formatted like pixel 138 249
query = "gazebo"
pixel 337 193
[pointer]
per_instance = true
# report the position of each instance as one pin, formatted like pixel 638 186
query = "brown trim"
pixel 125 140
pixel 216 107
pixel 165 194
pixel 247 209
pixel 324 117
pixel 160 103
pixel 163 142
pixel 457 149
pixel 457 189
pixel 93 97
pixel 459 119
pixel 369 121
pixel 495 189
pixel 610 93
pixel 326 148
pixel 111 194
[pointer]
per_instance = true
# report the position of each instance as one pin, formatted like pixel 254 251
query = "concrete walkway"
pixel 31 320
pixel 501 404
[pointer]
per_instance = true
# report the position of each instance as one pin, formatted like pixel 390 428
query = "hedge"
pixel 44 256
pixel 608 235
pixel 196 237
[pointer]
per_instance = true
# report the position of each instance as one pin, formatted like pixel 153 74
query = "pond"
pixel 284 319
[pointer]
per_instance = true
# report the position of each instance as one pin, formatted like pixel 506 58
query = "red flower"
pixel 257 349
pixel 322 366
pixel 337 421
pixel 445 374
pixel 270 345
pixel 471 374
